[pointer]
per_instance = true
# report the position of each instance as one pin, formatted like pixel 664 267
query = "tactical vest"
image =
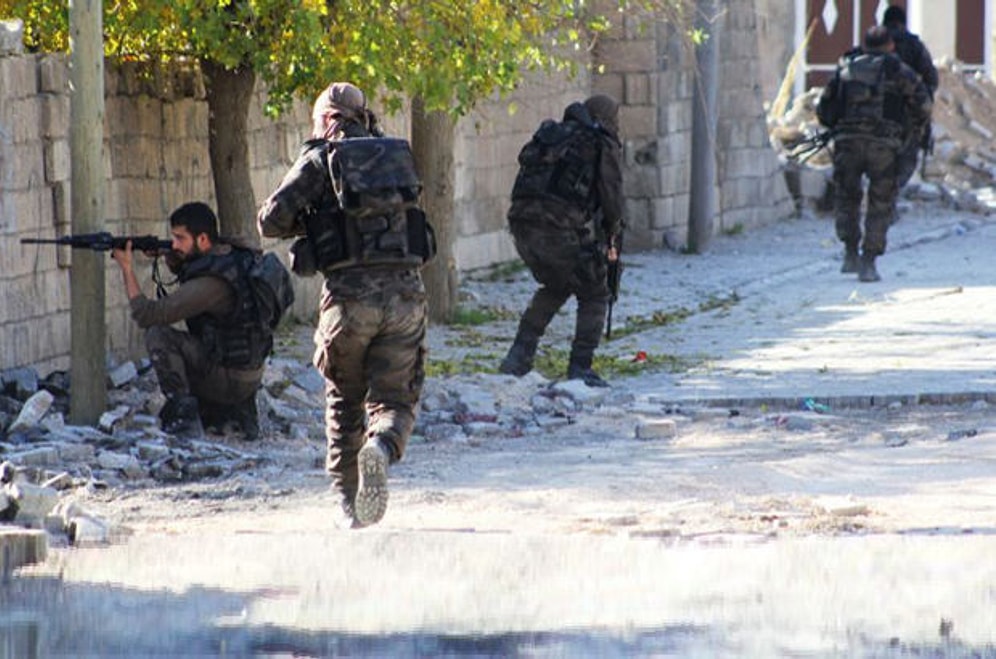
pixel 871 103
pixel 371 217
pixel 560 162
pixel 238 340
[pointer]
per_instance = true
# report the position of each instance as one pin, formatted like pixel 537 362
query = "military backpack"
pixel 377 219
pixel 560 162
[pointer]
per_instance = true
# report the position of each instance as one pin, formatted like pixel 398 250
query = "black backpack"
pixel 560 162
pixel 271 287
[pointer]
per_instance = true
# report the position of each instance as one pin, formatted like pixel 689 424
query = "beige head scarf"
pixel 339 103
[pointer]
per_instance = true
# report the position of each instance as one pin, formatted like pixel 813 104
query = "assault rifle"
pixel 104 241
pixel 614 277
pixel 927 146
pixel 810 146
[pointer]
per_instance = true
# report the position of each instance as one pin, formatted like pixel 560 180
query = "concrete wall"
pixel 156 157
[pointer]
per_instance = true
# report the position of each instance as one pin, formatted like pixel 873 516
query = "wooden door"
pixel 970 46
pixel 839 26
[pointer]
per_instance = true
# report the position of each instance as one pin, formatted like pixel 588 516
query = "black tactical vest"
pixel 371 217
pixel 240 339
pixel 870 100
pixel 560 162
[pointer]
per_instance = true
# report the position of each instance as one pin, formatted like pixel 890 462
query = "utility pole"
pixel 88 324
pixel 701 205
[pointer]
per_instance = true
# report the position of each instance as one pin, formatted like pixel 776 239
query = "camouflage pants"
pixel 564 267
pixel 371 351
pixel 854 159
pixel 183 368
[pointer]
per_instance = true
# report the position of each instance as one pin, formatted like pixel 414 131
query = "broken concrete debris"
pixel 961 171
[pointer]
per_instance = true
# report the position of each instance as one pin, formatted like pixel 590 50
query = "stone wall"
pixel 156 157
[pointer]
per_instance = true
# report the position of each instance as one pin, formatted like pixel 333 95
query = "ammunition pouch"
pixel 335 242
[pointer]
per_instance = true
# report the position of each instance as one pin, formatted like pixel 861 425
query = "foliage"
pixel 450 54
pixel 468 316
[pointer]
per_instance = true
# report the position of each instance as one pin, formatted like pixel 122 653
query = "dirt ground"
pixel 729 471
pixel 755 531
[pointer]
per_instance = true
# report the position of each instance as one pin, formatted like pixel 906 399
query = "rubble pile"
pixel 49 465
pixel 962 168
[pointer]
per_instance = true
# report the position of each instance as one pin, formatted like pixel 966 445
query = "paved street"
pixel 591 543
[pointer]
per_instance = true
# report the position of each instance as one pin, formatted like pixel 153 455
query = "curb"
pixel 853 402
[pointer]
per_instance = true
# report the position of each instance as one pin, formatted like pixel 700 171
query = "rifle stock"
pixel 104 241
pixel 809 147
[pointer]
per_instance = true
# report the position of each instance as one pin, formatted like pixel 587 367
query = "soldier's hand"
pixel 123 256
pixel 613 255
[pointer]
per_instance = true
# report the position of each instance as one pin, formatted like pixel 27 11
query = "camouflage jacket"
pixel 307 186
pixel 607 204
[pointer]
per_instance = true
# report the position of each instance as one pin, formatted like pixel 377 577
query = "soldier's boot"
pixel 180 417
pixel 239 418
pixel 579 368
pixel 371 497
pixel 868 273
pixel 246 416
pixel 344 510
pixel 519 359
pixel 852 261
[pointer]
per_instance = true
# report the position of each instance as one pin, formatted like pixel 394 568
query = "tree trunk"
pixel 433 135
pixel 88 322
pixel 229 94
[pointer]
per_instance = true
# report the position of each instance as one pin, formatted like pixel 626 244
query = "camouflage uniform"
pixel 563 244
pixel 370 339
pixel 185 365
pixel 884 97
pixel 914 54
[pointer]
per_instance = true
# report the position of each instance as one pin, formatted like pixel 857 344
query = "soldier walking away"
pixel 912 51
pixel 872 102
pixel 566 219
pixel 350 198
pixel 209 374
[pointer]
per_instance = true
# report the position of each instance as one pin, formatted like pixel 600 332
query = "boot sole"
pixel 371 497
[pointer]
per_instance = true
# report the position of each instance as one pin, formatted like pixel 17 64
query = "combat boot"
pixel 180 417
pixel 246 416
pixel 852 262
pixel 225 419
pixel 519 359
pixel 344 510
pixel 371 497
pixel 586 374
pixel 868 273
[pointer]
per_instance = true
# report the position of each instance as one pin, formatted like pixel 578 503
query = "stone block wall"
pixel 156 157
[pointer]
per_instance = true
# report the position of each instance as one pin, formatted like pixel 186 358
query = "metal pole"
pixel 88 325
pixel 701 207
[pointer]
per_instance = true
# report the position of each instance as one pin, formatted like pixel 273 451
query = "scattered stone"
pixel 86 531
pixel 294 393
pixel 978 128
pixel 955 435
pixel 578 391
pixel 33 502
pixel 843 507
pixel 34 409
pixel 110 419
pixel 45 456
pixel 61 481
pixel 123 374
pixel 311 381
pixel 657 429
